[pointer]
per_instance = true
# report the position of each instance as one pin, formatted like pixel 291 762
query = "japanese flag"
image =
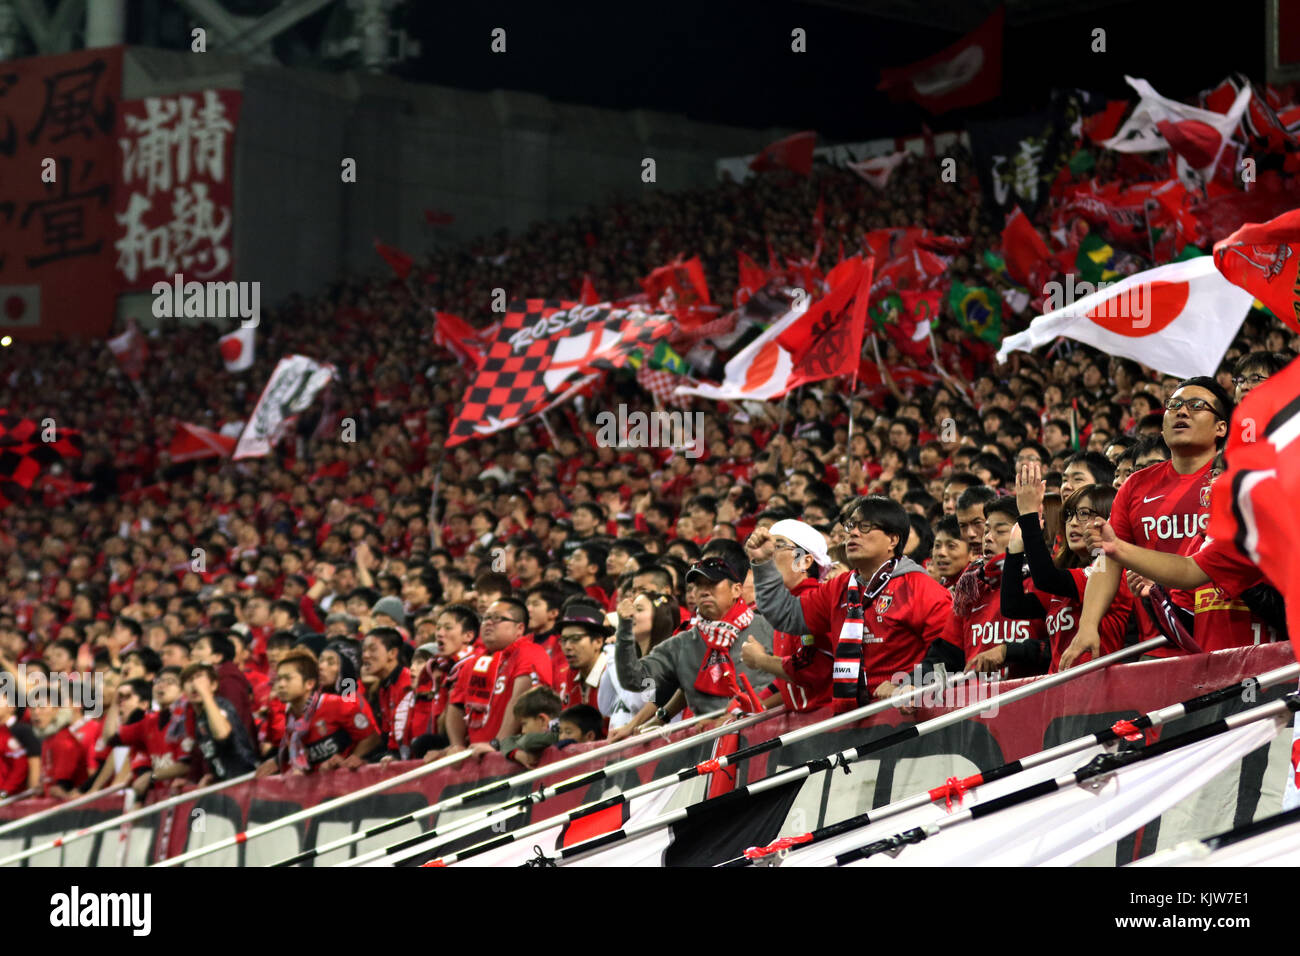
pixel 237 349
pixel 1178 318
pixel 20 305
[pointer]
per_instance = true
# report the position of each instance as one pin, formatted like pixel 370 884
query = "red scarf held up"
pixel 717 675
pixel 295 728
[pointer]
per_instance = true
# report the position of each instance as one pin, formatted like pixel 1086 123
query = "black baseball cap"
pixel 716 568
pixel 584 615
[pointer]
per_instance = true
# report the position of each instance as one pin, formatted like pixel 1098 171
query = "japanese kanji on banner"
pixel 175 196
pixel 56 208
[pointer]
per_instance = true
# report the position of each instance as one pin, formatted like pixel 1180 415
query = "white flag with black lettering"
pixel 293 386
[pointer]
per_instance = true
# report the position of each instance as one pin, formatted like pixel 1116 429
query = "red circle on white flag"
pixel 231 349
pixel 1142 309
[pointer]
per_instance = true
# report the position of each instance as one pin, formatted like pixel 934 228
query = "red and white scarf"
pixel 717 675
pixel 295 729
pixel 848 676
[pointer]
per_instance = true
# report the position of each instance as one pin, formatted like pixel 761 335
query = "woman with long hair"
pixel 655 618
pixel 1058 583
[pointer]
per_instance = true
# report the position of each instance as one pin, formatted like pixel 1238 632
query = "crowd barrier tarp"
pixel 1249 790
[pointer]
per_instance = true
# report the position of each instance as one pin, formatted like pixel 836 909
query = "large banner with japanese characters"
pixel 175 198
pixel 57 171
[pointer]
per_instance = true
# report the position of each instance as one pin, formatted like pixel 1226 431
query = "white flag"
pixel 290 391
pixel 1066 826
pixel 878 169
pixel 1178 319
pixel 1155 116
pixel 237 348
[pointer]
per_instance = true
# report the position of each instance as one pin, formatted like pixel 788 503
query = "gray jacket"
pixel 778 605
pixel 676 662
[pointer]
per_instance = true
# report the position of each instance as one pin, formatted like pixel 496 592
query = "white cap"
pixel 805 536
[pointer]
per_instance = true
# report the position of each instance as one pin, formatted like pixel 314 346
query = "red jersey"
pixel 897 630
pixel 63 760
pixel 985 627
pixel 798 697
pixel 521 659
pixel 270 729
pixel 86 730
pixel 551 644
pixel 1063 618
pixel 150 736
pixel 393 706
pixel 1222 619
pixel 574 690
pixel 17 745
pixel 1158 508
pixel 339 724
pixel 473 691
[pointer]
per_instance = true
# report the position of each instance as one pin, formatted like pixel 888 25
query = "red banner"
pixel 175 195
pixel 1080 707
pixel 57 167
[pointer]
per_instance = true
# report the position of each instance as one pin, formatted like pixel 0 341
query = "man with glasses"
pixel 1254 369
pixel 519 665
pixel 884 618
pixel 1164 507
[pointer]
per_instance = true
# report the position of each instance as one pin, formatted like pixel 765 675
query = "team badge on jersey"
pixel 1205 496
pixel 360 721
pixel 320 727
pixel 884 603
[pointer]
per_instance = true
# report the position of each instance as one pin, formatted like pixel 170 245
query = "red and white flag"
pixel 878 169
pixel 1178 319
pixel 190 442
pixel 130 350
pixel 964 74
pixel 237 348
pixel 1264 259
pixel 459 338
pixel 1196 135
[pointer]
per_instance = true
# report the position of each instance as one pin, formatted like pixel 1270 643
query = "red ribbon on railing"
pixel 709 766
pixel 952 787
pixel 776 846
pixel 1126 729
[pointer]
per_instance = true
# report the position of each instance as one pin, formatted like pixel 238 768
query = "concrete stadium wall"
pixel 495 160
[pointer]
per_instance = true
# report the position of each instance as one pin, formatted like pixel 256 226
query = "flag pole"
pixel 914 697
pixel 504 786
pixel 1102 765
pixel 314 811
pixel 498 816
pixel 955 788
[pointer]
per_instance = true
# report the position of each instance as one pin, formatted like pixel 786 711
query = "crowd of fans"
pixel 302 613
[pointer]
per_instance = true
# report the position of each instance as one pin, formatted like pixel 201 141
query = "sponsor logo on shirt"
pixel 1171 527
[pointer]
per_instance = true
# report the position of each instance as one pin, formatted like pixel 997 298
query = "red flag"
pixel 1100 126
pixel 794 153
pixel 752 278
pixel 826 341
pixel 1253 503
pixel 397 260
pixel 964 74
pixel 190 442
pixel 238 348
pixel 1024 250
pixel 685 280
pixel 1264 259
pixel 457 336
pixel 588 295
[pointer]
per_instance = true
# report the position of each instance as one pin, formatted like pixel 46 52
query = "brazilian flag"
pixel 998 266
pixel 1094 260
pixel 978 311
pixel 663 358
pixel 879 313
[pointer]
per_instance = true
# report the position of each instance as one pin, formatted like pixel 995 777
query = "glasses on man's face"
pixel 1084 515
pixel 866 527
pixel 1251 380
pixel 1194 405
pixel 1026 459
pixel 498 619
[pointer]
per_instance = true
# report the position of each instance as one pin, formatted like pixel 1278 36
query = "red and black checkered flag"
pixel 540 348
pixel 24 455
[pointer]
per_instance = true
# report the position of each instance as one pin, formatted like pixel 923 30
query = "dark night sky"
pixel 730 62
